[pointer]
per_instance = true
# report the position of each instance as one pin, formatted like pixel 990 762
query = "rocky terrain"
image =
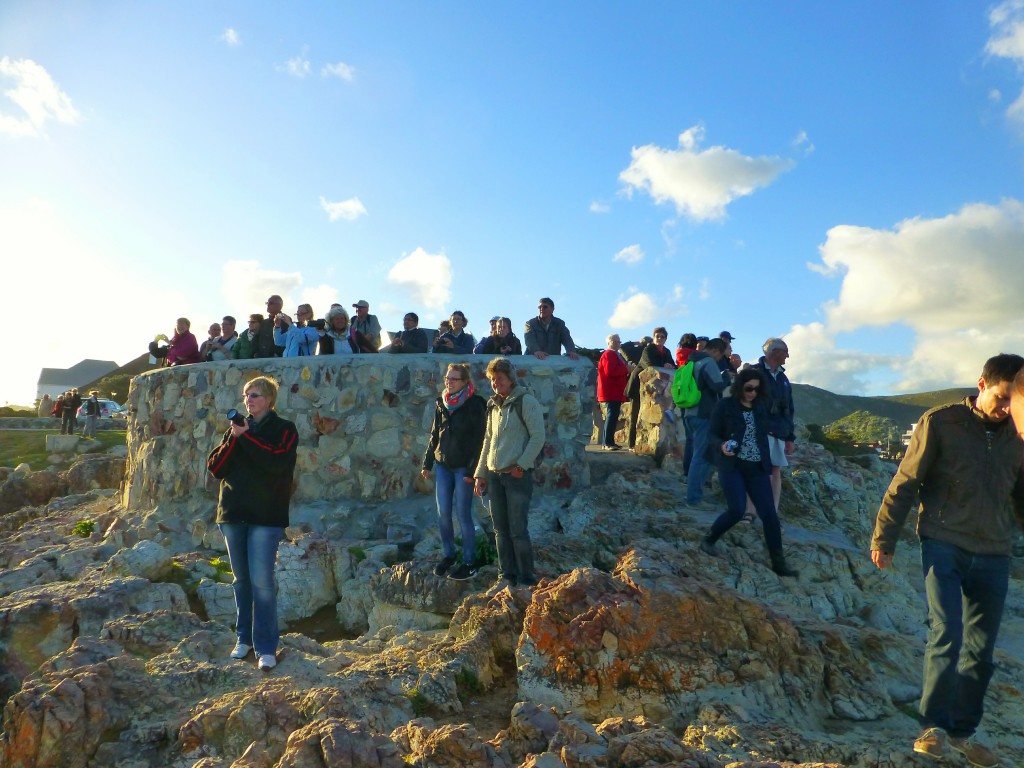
pixel 636 649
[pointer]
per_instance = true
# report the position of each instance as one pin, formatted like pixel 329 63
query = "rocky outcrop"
pixel 25 488
pixel 636 649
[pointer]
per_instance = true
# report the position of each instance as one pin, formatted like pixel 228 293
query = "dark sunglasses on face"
pixel 751 389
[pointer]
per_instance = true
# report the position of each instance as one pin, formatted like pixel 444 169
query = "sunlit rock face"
pixel 362 422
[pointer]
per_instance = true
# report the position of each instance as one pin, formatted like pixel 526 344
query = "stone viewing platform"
pixel 362 420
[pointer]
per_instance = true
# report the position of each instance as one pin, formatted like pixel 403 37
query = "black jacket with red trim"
pixel 255 471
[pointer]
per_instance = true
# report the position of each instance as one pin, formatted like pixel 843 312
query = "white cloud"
pixel 37 96
pixel 427 275
pixel 350 209
pixel 597 207
pixel 298 67
pixel 248 284
pixel 341 70
pixel 803 141
pixel 631 254
pixel 231 37
pixel 955 282
pixel 637 311
pixel 700 183
pixel 1006 21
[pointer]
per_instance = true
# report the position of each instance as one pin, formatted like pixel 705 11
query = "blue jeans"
pixel 688 450
pixel 612 409
pixel 510 504
pixel 252 551
pixel 450 483
pixel 738 481
pixel 700 467
pixel 965 594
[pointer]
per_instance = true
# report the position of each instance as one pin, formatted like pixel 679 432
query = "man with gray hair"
pixel 780 412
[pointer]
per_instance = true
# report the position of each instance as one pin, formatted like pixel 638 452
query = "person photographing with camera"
pixel 299 337
pixel 254 463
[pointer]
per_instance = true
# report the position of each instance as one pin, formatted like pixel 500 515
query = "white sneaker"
pixel 240 651
pixel 267 661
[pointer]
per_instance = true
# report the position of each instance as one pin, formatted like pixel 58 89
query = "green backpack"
pixel 685 392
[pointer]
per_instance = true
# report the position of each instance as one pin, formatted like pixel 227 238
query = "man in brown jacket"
pixel 963 466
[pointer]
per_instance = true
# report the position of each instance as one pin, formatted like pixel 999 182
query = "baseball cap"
pixel 726 336
pixel 362 303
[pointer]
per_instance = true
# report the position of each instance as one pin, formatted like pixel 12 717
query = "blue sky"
pixel 848 176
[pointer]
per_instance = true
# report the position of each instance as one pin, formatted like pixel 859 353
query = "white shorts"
pixel 777 449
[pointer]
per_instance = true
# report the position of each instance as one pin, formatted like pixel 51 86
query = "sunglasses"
pixel 754 388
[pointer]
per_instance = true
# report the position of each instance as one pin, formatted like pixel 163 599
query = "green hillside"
pixel 819 406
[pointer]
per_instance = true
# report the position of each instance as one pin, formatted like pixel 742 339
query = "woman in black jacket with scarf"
pixel 738 438
pixel 456 437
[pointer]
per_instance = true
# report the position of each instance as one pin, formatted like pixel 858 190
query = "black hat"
pixel 726 336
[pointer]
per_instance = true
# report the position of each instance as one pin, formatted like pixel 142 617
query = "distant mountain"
pixel 819 406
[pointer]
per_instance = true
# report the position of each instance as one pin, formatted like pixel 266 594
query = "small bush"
pixel 84 528
pixel 420 705
pixel 358 553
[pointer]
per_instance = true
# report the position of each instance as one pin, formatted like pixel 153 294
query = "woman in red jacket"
pixel 612 373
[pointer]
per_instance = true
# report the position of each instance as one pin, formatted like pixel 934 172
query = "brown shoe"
pixel 931 742
pixel 977 754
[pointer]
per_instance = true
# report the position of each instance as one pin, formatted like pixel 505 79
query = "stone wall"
pixel 363 422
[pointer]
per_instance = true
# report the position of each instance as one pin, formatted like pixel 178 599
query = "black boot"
pixel 707 546
pixel 779 564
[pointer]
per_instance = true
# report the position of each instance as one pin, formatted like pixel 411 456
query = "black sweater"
pixel 456 437
pixel 255 471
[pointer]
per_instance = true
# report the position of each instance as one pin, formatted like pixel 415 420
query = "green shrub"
pixel 84 528
pixel 420 704
pixel 358 553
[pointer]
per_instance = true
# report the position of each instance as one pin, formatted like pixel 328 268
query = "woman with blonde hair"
pixel 255 462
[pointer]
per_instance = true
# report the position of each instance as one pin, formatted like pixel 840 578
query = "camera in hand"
pixel 235 417
pixel 319 324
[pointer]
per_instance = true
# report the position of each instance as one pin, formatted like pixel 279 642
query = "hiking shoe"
pixel 462 573
pixel 708 547
pixel 527 581
pixel 267 661
pixel 240 651
pixel 931 742
pixel 442 567
pixel 977 754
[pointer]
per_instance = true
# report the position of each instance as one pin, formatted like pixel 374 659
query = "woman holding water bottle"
pixel 738 436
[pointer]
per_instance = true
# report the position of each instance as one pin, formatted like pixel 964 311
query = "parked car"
pixel 108 410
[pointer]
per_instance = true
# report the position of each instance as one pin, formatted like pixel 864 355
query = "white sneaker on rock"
pixel 240 651
pixel 267 661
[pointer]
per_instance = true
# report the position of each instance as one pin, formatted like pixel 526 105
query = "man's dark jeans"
pixel 965 593
pixel 510 505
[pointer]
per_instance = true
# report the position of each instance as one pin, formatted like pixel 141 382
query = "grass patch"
pixel 84 528
pixel 420 704
pixel 221 565
pixel 358 553
pixel 29 446
pixel 467 682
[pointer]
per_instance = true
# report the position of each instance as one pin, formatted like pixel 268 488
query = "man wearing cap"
pixel 546 334
pixel 412 338
pixel 479 348
pixel 780 411
pixel 365 323
pixel 725 364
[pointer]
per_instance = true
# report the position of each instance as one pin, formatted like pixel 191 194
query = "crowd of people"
pixel 963 472
pixel 66 407
pixel 278 334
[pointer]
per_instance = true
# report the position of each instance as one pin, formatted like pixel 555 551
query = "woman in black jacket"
pixel 738 437
pixel 655 355
pixel 254 463
pixel 456 436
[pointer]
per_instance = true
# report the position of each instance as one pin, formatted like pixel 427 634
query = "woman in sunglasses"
pixel 738 438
